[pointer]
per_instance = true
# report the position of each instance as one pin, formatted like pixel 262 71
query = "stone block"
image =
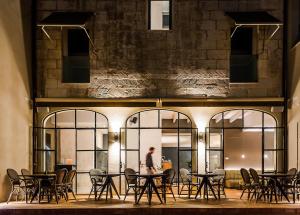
pixel 217 54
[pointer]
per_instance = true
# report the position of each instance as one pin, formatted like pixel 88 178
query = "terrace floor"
pixel 231 205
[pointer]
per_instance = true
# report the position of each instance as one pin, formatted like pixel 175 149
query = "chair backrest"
pixel 291 174
pixel 184 175
pixel 130 179
pixel 13 176
pixel 25 173
pixel 254 175
pixel 60 175
pixel 246 176
pixel 94 175
pixel 70 176
pixel 170 174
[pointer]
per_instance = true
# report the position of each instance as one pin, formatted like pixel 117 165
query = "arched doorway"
pixel 245 138
pixel 170 132
pixel 72 137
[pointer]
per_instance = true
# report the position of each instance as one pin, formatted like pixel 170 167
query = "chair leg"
pixel 10 195
pixel 127 191
pixel 91 191
pixel 242 193
pixel 172 193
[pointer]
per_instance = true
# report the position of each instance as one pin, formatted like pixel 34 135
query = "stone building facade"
pixel 191 60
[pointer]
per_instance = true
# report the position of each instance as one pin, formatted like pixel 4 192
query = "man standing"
pixel 149 161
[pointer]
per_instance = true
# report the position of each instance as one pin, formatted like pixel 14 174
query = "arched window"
pixel 244 138
pixel 72 138
pixel 170 132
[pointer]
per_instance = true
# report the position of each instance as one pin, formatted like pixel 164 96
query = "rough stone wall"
pixel 191 60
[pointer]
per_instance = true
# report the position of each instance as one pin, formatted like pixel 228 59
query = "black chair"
pixel 131 181
pixel 68 183
pixel 169 180
pixel 96 180
pixel 219 182
pixel 247 186
pixel 29 183
pixel 260 189
pixel 17 184
pixel 57 187
pixel 291 182
pixel 187 181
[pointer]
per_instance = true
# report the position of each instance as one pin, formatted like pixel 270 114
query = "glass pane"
pixel 185 138
pixel 185 160
pixel 215 160
pixel 50 121
pixel 84 184
pixel 168 119
pixel 184 121
pixel 101 121
pixel 45 139
pixel 280 161
pixel 242 149
pixel 132 139
pixel 122 138
pixel 66 146
pixel 151 138
pixel 85 161
pixel 269 120
pixel 159 14
pixel 133 121
pixel 269 161
pixel 194 161
pixel 270 138
pixel 101 160
pixel 132 160
pixel 233 118
pixel 252 118
pixel 65 119
pixel 216 121
pixel 45 161
pixel 280 138
pixel 85 139
pixel 85 119
pixel 123 161
pixel 216 139
pixel 149 119
pixel 101 139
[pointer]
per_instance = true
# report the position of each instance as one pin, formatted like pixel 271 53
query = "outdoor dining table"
pixel 108 185
pixel 274 183
pixel 150 186
pixel 205 183
pixel 39 178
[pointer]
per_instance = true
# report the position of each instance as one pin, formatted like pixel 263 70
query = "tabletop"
pixel 107 174
pixel 205 174
pixel 145 175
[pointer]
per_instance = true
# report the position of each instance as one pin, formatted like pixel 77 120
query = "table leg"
pixel 103 187
pixel 143 190
pixel 149 193
pixel 199 189
pixel 211 188
pixel 279 185
pixel 155 190
pixel 114 188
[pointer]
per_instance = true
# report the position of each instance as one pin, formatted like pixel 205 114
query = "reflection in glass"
pixel 233 118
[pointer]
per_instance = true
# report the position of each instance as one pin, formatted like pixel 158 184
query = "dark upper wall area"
pixel 191 60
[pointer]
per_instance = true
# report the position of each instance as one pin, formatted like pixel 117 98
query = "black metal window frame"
pixel 170 15
pixel 193 131
pixel 282 149
pixel 38 129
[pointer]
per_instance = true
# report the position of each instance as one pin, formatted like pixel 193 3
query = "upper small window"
pixel 243 62
pixel 76 61
pixel 159 15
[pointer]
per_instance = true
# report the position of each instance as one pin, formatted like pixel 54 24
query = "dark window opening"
pixel 243 63
pixel 166 21
pixel 76 65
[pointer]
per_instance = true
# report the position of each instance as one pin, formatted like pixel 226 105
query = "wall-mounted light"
pixel 116 136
